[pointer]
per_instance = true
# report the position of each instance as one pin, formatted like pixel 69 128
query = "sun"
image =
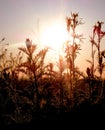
pixel 54 36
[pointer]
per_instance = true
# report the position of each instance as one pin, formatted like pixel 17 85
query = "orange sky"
pixel 20 19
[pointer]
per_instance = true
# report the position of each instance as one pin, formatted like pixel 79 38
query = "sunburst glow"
pixel 54 36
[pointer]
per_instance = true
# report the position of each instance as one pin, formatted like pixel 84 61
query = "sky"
pixel 21 19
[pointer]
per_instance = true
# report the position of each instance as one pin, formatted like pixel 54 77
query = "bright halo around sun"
pixel 55 36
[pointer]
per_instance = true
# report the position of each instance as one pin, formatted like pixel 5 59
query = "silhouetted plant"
pixel 61 69
pixel 9 79
pixel 97 31
pixel 3 61
pixel 34 68
pixel 48 84
pixel 95 40
pixel 72 47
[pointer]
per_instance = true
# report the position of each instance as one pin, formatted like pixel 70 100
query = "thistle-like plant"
pixel 72 47
pixel 95 40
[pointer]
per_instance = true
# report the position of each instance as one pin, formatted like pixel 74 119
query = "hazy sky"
pixel 20 19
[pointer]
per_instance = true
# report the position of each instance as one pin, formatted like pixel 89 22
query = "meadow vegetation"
pixel 31 90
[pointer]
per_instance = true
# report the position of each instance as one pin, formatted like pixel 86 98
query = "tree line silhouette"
pixel 31 90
